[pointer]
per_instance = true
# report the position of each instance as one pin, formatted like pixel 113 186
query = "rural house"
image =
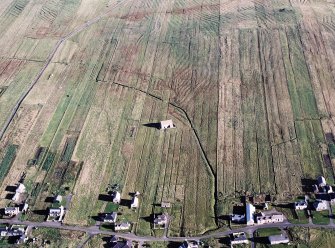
pixel 160 221
pixel 320 205
pixel 121 244
pixel 167 124
pixel 116 197
pixel 238 218
pixel 189 244
pixel 11 211
pixel 122 226
pixel 238 238
pixel 110 218
pixel 135 202
pixel 278 239
pixel 56 214
pixel 300 205
pixel 271 218
pixel 321 181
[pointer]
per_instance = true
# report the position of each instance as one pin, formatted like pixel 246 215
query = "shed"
pixel 167 124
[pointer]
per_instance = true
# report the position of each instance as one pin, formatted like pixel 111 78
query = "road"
pixel 77 30
pixel 94 230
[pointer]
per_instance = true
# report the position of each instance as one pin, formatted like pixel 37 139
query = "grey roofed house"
pixel 238 238
pixel 167 124
pixel 121 244
pixel 300 205
pixel 238 218
pixel 278 239
pixel 161 219
pixel 111 218
pixel 189 244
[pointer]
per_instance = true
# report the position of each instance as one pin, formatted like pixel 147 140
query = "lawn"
pixel 321 217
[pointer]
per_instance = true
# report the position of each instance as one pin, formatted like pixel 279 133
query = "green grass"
pixel 321 217
pixel 331 148
pixel 312 238
pixel 265 232
pixel 111 207
pixel 7 161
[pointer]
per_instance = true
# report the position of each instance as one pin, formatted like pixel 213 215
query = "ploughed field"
pixel 249 84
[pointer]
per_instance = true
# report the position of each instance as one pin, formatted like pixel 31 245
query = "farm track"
pixel 94 230
pixel 77 30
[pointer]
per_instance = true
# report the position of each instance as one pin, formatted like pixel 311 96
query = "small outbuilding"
pixel 167 124
pixel 165 204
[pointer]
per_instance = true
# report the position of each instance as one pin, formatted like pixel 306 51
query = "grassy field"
pixel 248 84
pixel 57 238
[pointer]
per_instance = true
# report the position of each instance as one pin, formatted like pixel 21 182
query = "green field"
pixel 248 84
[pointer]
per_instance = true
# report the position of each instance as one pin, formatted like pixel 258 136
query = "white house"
pixel 322 181
pixel 116 197
pixel 21 189
pixel 167 124
pixel 300 205
pixel 122 226
pixel 320 205
pixel 271 218
pixel 238 238
pixel 250 211
pixel 328 189
pixel 279 239
pixel 134 202
pixel 57 213
pixel 12 211
pixel 54 212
